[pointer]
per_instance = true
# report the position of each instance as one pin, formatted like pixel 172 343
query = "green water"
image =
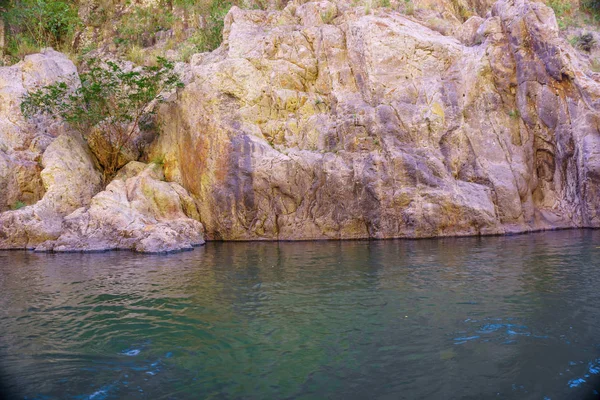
pixel 501 317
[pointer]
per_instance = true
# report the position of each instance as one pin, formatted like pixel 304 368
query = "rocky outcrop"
pixel 137 211
pixel 70 181
pixel 52 173
pixel 329 121
pixel 22 142
pixel 324 122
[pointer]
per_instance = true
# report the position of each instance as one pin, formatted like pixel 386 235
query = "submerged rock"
pixel 137 211
pixel 324 122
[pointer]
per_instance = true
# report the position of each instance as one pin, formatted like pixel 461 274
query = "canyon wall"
pixel 328 121
pixel 323 122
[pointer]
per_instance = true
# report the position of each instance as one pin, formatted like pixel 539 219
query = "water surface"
pixel 474 318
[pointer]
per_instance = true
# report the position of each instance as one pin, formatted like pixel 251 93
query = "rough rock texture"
pixel 70 180
pixel 322 122
pixel 45 165
pixel 23 142
pixel 137 211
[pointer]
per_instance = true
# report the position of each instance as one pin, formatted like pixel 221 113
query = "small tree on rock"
pixel 107 106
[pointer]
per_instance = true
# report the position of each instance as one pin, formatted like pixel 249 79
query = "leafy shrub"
pixel 40 23
pixel 592 6
pixel 108 106
pixel 20 45
pixel 209 37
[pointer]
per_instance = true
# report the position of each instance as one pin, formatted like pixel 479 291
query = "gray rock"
pixel 377 126
pixel 137 211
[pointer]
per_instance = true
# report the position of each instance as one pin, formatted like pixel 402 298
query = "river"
pixel 514 317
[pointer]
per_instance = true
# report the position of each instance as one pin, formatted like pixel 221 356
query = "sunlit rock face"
pixel 137 211
pixel 22 142
pixel 70 180
pixel 328 121
pixel 50 172
pixel 323 122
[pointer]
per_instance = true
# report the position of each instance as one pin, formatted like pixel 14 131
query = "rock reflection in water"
pixel 508 317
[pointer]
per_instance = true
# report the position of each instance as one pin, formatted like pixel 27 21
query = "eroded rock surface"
pixel 22 142
pixel 70 180
pixel 326 121
pixel 137 211
pixel 52 174
pixel 323 122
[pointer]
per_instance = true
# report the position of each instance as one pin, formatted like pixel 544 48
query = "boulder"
pixel 137 211
pixel 70 180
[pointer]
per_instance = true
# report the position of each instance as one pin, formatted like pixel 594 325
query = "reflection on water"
pixel 503 317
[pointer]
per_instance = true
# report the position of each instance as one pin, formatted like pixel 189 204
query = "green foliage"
pixel 17 205
pixel 563 11
pixel 409 7
pixel 560 7
pixel 593 6
pixel 20 46
pixel 110 102
pixel 514 114
pixel 158 160
pixel 135 54
pixel 141 22
pixel 39 23
pixel 210 37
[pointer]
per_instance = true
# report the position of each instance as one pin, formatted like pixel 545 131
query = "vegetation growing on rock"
pixel 107 106
pixel 331 120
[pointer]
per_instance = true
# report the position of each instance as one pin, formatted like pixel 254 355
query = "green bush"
pixel 40 23
pixel 210 37
pixel 108 106
pixel 592 6
pixel 585 41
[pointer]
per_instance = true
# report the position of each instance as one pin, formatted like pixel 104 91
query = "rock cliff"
pixel 328 121
pixel 323 122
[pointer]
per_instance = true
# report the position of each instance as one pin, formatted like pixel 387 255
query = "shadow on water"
pixel 7 391
pixel 501 317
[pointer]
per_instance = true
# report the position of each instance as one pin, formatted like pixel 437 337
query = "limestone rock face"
pixel 70 180
pixel 42 164
pixel 22 142
pixel 52 169
pixel 137 211
pixel 323 122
